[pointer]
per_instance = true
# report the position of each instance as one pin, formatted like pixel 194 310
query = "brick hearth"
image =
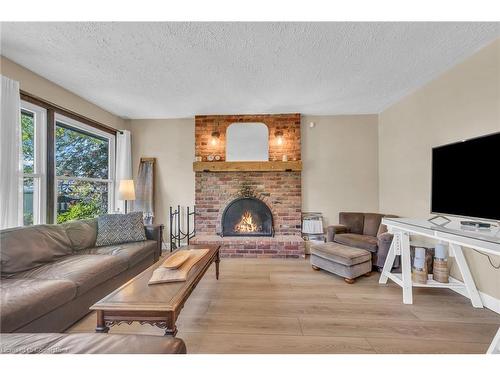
pixel 280 191
pixel 255 247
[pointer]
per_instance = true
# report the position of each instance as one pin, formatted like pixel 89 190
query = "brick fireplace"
pixel 280 190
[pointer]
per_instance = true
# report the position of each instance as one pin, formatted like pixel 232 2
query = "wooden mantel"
pixel 247 166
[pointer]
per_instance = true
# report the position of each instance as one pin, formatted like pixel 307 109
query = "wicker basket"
pixel 441 272
pixel 419 275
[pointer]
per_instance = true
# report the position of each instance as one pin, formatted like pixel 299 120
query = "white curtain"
pixel 11 181
pixel 123 164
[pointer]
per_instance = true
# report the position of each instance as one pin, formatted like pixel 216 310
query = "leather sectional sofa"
pixel 88 343
pixel 52 274
pixel 363 231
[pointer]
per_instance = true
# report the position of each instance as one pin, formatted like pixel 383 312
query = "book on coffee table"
pixel 166 275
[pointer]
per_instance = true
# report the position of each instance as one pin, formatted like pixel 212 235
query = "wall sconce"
pixel 279 137
pixel 214 138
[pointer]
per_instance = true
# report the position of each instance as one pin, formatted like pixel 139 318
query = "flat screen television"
pixel 466 178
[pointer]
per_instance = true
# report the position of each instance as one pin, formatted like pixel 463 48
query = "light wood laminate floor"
pixel 283 306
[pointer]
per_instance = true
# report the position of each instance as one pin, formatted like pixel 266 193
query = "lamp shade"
pixel 126 190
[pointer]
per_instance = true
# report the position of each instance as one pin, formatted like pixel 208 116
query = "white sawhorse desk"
pixel 487 242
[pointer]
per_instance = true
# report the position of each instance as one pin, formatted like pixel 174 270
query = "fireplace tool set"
pixel 177 235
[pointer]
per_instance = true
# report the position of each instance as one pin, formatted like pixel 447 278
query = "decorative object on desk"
pixel 165 275
pixel 198 158
pixel 441 272
pixel 176 233
pixel 217 157
pixel 126 192
pixel 210 158
pixel 284 158
pixel 176 260
pixel 145 189
pixel 419 270
pixel 475 224
pixel 441 251
pixel 429 254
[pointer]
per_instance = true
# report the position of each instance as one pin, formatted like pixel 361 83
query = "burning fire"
pixel 246 224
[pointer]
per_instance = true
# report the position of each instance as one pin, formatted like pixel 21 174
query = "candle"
pixel 419 263
pixel 440 251
pixel 419 260
pixel 420 252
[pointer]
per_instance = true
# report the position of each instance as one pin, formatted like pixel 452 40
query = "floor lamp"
pixel 126 191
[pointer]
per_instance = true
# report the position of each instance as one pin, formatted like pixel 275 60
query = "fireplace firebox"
pixel 247 217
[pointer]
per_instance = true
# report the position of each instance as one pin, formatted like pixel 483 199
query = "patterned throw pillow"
pixel 120 228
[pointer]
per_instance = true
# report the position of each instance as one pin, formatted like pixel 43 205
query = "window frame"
pixel 91 130
pixel 39 174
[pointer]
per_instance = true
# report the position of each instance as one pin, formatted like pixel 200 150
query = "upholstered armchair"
pixel 363 231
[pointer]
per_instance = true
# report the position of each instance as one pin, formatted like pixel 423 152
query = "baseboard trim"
pixel 489 302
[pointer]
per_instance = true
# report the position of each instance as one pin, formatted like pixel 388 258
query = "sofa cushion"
pixel 345 255
pixel 371 224
pixel 89 343
pixel 25 248
pixel 120 228
pixel 133 252
pixel 352 220
pixel 24 300
pixel 81 233
pixel 86 271
pixel 358 240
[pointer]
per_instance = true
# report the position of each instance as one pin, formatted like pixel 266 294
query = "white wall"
pixel 462 103
pixel 171 142
pixel 340 164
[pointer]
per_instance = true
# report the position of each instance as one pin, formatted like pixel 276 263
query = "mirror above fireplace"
pixel 247 141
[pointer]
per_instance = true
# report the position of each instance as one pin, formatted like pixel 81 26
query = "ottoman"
pixel 348 262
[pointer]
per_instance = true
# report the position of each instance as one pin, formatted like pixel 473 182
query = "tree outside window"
pixel 82 173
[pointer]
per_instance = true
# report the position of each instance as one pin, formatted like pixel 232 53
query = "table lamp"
pixel 126 191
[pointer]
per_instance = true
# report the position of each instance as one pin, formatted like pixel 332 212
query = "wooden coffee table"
pixel 159 304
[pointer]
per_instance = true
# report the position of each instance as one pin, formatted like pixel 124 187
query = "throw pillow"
pixel 120 228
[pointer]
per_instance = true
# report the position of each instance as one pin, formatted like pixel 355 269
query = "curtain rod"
pixel 66 112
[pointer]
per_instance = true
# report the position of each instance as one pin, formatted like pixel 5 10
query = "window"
pixel 33 132
pixel 84 170
pixel 75 180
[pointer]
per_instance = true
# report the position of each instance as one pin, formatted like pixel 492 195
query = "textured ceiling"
pixel 169 70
